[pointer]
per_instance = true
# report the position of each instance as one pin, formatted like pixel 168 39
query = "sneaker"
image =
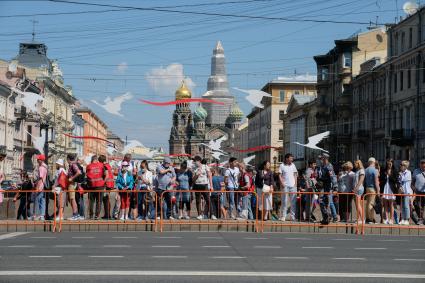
pixel 187 217
pixel 213 217
pixel 74 218
pixel 200 217
pixel 405 222
pixel 171 218
pixel 283 219
pixel 58 218
pixel 180 217
pixel 80 217
pixel 158 218
pixel 390 222
pixel 122 218
pixel 41 218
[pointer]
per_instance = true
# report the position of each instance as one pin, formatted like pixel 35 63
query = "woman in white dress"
pixel 388 183
pixel 264 181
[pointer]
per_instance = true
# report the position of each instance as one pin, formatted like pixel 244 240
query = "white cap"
pixel 372 159
pixel 60 162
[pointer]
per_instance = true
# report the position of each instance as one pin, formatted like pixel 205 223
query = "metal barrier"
pixel 131 198
pixel 211 203
pixel 394 200
pixel 302 206
pixel 32 205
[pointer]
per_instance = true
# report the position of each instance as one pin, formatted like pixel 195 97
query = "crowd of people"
pixel 234 190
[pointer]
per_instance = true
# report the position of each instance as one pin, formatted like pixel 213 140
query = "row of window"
pixel 402 43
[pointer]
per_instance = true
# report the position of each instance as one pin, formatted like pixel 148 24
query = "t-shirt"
pixel 359 173
pixel 164 180
pixel 217 181
pixel 345 182
pixel 370 174
pixel 419 180
pixel 232 175
pixel 288 172
pixel 203 170
pixel 145 174
pixel 405 180
pixel 183 179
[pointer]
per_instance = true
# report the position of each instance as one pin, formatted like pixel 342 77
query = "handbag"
pixel 266 189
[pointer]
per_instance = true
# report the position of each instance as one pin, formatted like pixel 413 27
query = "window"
pixel 282 96
pixel 401 80
pixel 395 83
pixel 281 114
pixel 29 132
pixel 403 39
pixel 297 92
pixel 280 158
pixel 409 78
pixel 347 59
pixel 324 74
pixel 281 134
pixel 410 37
pixel 395 44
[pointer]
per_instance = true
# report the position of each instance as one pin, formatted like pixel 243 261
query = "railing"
pixel 251 207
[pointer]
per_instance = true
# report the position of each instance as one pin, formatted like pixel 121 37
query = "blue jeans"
pixel 140 201
pixel 405 207
pixel 39 204
pixel 231 193
pixel 246 205
pixel 332 206
pixel 289 192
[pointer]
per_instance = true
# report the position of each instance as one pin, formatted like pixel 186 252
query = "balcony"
pixel 403 137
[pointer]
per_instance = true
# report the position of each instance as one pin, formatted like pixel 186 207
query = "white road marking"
pixel 43 237
pixel 346 239
pixel 303 239
pixel 168 273
pixel 391 240
pixel 349 258
pixel 12 235
pixel 44 256
pixel 169 256
pixel 166 246
pixel 417 249
pixel 68 246
pixel 124 237
pixel 409 259
pixel 209 237
pixel 117 246
pixel 267 247
pixel 216 246
pixel 106 256
pixel 21 246
pixel 248 238
pixel 291 257
pixel 317 247
pixel 169 237
pixel 83 237
pixel 370 248
pixel 227 257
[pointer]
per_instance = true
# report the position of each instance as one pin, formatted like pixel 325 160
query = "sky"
pixel 111 51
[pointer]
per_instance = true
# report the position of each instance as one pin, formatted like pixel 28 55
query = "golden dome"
pixel 183 92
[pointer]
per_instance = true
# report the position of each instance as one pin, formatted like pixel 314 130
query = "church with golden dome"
pixel 192 129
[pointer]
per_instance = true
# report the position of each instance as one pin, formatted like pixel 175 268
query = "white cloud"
pixel 122 67
pixel 165 81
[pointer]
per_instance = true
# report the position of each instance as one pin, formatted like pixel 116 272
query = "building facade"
pixel 335 73
pixel 265 125
pixel 93 127
pixel 78 130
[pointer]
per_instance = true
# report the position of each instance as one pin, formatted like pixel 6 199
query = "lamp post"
pixel 275 163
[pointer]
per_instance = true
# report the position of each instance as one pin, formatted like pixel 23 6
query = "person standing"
pixel 328 183
pixel 265 184
pixel 184 181
pixel 372 189
pixel 310 176
pixel 24 197
pixel 96 183
pixel 144 183
pixel 202 181
pixel 405 181
pixel 58 186
pixel 74 173
pixel 40 181
pixel 358 189
pixel 418 185
pixel 288 175
pixel 231 179
pixel 108 178
pixel 125 184
pixel 166 177
pixel 2 177
pixel 388 184
pixel 345 190
pixel 246 184
pixel 216 203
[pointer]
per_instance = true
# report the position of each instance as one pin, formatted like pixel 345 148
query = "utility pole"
pixel 33 28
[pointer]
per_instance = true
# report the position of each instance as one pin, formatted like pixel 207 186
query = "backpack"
pixel 82 177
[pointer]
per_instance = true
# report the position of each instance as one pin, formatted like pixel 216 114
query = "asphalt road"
pixel 209 257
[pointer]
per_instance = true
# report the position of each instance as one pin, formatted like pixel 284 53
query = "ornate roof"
pixel 183 92
pixel 200 113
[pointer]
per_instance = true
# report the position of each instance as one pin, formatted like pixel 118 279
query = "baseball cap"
pixel 372 159
pixel 60 162
pixel 41 157
pixel 167 160
pixel 324 155
pixel 124 163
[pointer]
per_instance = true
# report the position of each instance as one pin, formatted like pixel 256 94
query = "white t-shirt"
pixel 202 179
pixel 288 172
pixel 232 177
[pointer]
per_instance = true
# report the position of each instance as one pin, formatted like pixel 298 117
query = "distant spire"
pixel 33 28
pixel 218 48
